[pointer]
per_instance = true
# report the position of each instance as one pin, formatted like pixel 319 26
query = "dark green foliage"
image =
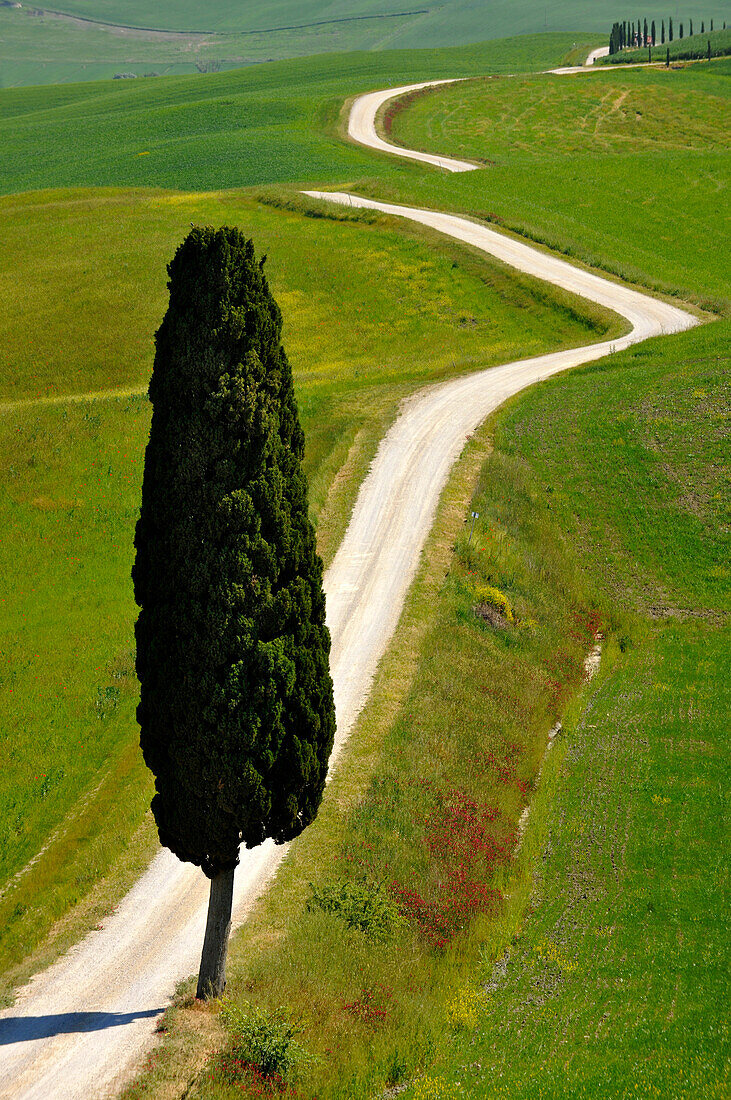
pixel 662 33
pixel 670 29
pixel 615 40
pixel 365 906
pixel 263 1041
pixel 236 709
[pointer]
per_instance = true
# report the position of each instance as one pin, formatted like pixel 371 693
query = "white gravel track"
pixel 79 1029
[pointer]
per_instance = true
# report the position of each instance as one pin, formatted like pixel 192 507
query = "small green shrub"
pixel 362 905
pixel 264 1040
pixel 487 595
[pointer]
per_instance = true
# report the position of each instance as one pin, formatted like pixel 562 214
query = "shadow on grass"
pixel 20 1029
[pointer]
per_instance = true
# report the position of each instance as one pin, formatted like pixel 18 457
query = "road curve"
pixel 79 1029
pixel 362 127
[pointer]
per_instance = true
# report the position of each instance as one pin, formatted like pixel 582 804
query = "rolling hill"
pixel 93 39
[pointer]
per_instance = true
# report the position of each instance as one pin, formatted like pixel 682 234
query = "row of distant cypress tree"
pixel 628 35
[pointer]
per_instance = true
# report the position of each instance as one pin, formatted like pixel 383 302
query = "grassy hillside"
pixel 263 124
pixel 497 17
pixel 626 170
pixel 83 323
pixel 620 967
pixel 91 39
pixel 41 47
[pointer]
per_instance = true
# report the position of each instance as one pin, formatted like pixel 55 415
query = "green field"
pixel 39 46
pixel 626 170
pixel 262 124
pixel 496 18
pixel 619 969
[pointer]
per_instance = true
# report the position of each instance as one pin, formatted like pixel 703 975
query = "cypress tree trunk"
pixel 212 975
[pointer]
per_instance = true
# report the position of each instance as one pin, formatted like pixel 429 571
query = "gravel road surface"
pixel 79 1029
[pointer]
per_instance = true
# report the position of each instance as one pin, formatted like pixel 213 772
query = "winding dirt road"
pixel 79 1029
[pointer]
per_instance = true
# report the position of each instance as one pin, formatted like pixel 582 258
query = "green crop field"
pixel 41 48
pixel 87 39
pixel 263 124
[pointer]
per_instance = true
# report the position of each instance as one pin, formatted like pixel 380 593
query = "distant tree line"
pixel 628 35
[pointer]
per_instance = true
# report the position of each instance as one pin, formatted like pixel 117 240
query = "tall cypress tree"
pixel 652 33
pixel 236 708
pixel 670 29
pixel 662 33
pixel 645 33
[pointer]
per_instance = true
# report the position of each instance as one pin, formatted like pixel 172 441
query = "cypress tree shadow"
pixel 22 1029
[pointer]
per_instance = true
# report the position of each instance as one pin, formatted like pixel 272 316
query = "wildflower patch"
pixel 465 851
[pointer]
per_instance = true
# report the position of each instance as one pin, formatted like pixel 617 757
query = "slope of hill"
pixel 493 18
pixel 262 124
pixel 93 39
